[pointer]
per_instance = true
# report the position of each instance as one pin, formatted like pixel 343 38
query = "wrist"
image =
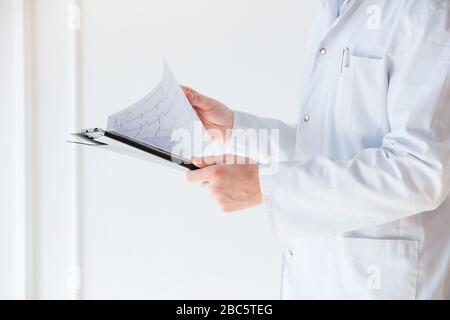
pixel 259 199
pixel 231 119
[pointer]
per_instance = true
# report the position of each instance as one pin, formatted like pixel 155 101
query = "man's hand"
pixel 216 117
pixel 232 181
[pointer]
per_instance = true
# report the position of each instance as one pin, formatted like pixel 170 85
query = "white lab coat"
pixel 361 195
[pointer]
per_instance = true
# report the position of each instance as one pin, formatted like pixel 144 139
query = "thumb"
pixel 229 159
pixel 206 161
pixel 198 100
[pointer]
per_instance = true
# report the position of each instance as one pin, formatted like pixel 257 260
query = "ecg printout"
pixel 153 119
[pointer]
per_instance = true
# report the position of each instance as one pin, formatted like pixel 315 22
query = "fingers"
pixel 222 197
pixel 202 162
pixel 229 159
pixel 205 185
pixel 227 184
pixel 198 100
pixel 187 91
pixel 209 174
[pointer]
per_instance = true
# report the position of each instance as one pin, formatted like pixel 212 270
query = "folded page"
pixel 163 119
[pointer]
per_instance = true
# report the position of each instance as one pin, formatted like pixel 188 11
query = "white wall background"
pixel 135 230
pixel 6 175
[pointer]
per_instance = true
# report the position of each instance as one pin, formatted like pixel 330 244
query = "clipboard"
pixel 116 142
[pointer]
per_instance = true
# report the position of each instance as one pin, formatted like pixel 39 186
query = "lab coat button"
pixel 323 51
pixel 306 118
pixel 288 254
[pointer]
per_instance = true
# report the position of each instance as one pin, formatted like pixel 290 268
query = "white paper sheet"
pixel 154 119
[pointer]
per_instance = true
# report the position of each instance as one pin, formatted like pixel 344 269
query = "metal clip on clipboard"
pixel 116 142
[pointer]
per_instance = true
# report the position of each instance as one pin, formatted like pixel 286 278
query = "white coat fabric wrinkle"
pixel 361 195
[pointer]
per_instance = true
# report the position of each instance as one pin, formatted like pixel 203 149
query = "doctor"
pixel 361 194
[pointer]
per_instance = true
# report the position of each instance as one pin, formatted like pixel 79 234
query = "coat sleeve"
pixel 407 175
pixel 271 138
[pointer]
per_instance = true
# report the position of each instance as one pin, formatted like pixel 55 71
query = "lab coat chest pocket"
pixel 362 97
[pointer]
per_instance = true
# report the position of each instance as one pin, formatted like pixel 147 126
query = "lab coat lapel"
pixel 330 7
